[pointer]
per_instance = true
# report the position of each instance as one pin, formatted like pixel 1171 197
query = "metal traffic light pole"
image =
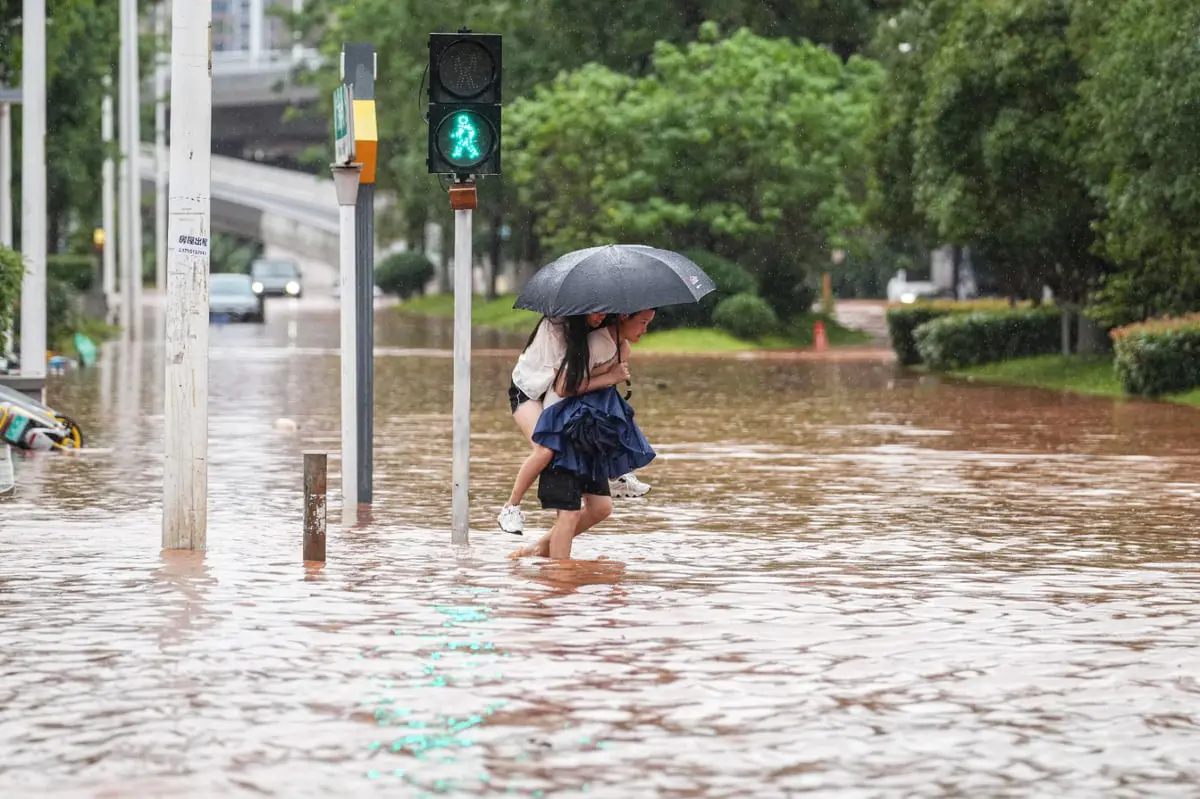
pixel 464 141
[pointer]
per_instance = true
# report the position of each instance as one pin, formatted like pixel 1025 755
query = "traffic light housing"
pixel 464 103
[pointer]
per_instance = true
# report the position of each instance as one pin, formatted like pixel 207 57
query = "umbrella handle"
pixel 629 393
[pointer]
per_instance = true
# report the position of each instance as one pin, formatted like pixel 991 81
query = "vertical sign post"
pixel 358 73
pixel 346 175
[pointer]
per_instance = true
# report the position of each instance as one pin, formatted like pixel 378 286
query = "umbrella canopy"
pixel 614 278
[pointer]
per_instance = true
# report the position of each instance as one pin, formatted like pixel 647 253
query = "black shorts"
pixel 516 396
pixel 559 489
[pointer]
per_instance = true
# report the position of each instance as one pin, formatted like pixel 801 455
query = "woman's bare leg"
pixel 595 510
pixel 526 417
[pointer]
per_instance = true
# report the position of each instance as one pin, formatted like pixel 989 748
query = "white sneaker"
pixel 628 486
pixel 512 520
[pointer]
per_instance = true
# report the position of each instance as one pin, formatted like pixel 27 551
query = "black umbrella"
pixel 615 278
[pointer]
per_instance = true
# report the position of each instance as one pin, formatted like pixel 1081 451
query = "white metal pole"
pixel 185 469
pixel 33 188
pixel 6 210
pixel 461 443
pixel 125 149
pixel 297 47
pixel 256 30
pixel 6 205
pixel 108 213
pixel 346 179
pixel 129 40
pixel 160 149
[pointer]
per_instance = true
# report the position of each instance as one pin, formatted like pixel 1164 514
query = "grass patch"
pixel 497 314
pixel 500 315
pixel 1080 374
pixel 96 329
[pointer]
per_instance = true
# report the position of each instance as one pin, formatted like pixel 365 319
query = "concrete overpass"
pixel 293 214
pixel 251 96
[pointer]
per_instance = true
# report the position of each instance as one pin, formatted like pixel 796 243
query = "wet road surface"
pixel 845 580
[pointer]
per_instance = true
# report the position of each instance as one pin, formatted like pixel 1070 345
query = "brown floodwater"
pixel 847 580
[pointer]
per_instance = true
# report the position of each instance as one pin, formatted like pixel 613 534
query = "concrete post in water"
pixel 108 213
pixel 185 470
pixel 131 138
pixel 33 188
pixel 161 166
pixel 464 200
pixel 359 72
pixel 316 466
pixel 124 150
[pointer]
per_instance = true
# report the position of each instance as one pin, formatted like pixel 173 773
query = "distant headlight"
pixel 292 287
pixel 256 287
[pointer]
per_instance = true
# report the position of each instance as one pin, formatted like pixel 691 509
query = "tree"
pixel 748 147
pixel 82 45
pixel 1136 118
pixel 994 159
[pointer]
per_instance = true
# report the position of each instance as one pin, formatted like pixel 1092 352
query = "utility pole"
pixel 185 469
pixel 161 166
pixel 108 212
pixel 131 141
pixel 33 188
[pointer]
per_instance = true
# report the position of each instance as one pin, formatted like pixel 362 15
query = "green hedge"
pixel 903 320
pixel 1159 356
pixel 12 273
pixel 730 278
pixel 969 339
pixel 746 316
pixel 404 274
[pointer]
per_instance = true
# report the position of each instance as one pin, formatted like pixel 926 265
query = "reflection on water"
pixel 845 579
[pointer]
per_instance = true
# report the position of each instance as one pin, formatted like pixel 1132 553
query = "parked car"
pixel 231 297
pixel 276 278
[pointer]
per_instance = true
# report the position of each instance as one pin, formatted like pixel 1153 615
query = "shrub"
pixel 77 271
pixel 730 279
pixel 404 274
pixel 746 316
pixel 968 339
pixel 12 273
pixel 903 320
pixel 1159 356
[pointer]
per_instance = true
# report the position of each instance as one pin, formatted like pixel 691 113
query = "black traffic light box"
pixel 464 103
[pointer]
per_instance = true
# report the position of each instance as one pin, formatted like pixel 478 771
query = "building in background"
pixel 247 27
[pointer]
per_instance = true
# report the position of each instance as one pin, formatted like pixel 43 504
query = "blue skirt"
pixel 594 435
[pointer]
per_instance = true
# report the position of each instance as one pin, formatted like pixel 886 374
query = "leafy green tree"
pixel 1136 119
pixel 82 45
pixel 994 158
pixel 748 147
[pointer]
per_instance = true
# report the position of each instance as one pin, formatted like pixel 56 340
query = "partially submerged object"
pixel 26 423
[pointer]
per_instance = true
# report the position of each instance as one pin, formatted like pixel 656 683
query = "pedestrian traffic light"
pixel 464 103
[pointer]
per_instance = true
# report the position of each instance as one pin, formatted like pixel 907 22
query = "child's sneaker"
pixel 512 520
pixel 627 486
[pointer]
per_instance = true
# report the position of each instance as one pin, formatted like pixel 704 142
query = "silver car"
pixel 276 278
pixel 231 297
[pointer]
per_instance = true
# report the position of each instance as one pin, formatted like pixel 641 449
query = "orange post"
pixel 820 342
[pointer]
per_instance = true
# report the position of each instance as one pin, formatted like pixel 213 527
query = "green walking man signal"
pixel 464 103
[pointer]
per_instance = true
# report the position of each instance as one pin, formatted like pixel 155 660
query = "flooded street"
pixel 846 580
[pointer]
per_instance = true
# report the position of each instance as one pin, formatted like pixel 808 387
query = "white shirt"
pixel 536 368
pixel 601 349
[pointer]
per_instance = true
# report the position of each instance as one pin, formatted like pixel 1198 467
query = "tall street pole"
pixel 358 72
pixel 131 124
pixel 108 211
pixel 161 167
pixel 33 188
pixel 185 469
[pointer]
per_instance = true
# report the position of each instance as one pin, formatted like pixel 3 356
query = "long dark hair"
pixel 577 360
pixel 533 335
